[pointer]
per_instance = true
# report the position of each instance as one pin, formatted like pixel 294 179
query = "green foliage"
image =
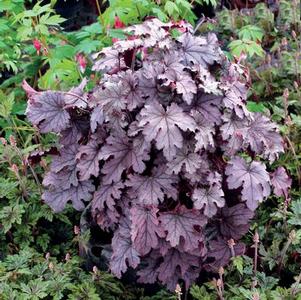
pixel 251 33
pixel 29 275
pixel 295 215
pixel 248 47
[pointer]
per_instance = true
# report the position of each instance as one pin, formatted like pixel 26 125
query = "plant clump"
pixel 165 151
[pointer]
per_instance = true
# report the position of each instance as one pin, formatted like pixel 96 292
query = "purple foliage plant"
pixel 165 151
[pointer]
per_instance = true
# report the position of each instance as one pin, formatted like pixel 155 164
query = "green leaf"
pixel 6 5
pixel 160 14
pixel 238 263
pixel 171 8
pixel 61 52
pixel 10 215
pixel 248 47
pixel 35 289
pixel 4 25
pixel 117 33
pixel 184 3
pixel 295 217
pixel 87 46
pixel 41 29
pixel 53 20
pixel 255 107
pixel 251 32
pixel 7 188
pixel 24 33
pixel 6 104
pixel 200 293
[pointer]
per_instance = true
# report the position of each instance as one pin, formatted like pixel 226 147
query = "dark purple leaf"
pixel 76 97
pixel 107 219
pixel 234 221
pixel 182 222
pixel 222 250
pixel 148 79
pixel 150 272
pixel 264 138
pixel 233 132
pixel 281 182
pixel 71 135
pixel 149 190
pixel 134 93
pixel 163 126
pixel 88 159
pixel 190 162
pixel 97 118
pixel 253 178
pixel 57 198
pixel 120 154
pixel 145 228
pixel 175 261
pixel 204 134
pixel 109 59
pixel 196 50
pixel 124 254
pixel 208 106
pixel 46 110
pixel 235 98
pixel 209 199
pixel 182 82
pixel 107 194
pixel 111 96
pixel 62 179
pixel 65 159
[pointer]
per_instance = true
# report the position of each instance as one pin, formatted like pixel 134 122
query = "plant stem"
pixel 102 22
pixel 256 243
pixel 295 289
pixel 295 157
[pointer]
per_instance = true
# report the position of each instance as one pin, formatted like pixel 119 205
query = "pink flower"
pixel 37 45
pixel 82 62
pixel 118 23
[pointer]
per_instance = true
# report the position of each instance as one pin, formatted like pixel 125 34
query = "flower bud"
pixel 296 85
pixel 256 296
pixel 76 230
pixel 178 290
pixel 286 93
pixel 118 24
pixel 82 62
pixel 67 257
pixel 37 45
pixel 231 243
pixel 292 235
pixel 43 164
pixel 15 169
pixel 3 141
pixel 12 141
pixel 256 237
pixel 294 35
pixel 284 42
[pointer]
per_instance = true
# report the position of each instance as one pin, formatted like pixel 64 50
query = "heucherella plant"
pixel 165 150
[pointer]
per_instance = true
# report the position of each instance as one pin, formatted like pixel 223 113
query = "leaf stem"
pixel 102 22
